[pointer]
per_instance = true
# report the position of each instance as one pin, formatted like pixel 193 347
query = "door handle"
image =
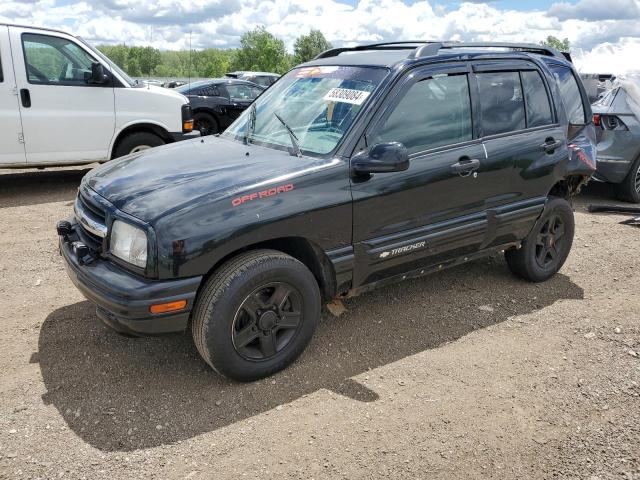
pixel 465 166
pixel 25 97
pixel 551 144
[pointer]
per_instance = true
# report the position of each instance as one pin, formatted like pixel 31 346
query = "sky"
pixel 604 34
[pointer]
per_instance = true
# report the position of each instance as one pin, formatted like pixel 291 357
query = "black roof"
pixel 390 54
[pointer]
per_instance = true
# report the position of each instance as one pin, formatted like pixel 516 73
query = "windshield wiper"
pixel 251 124
pixel 294 140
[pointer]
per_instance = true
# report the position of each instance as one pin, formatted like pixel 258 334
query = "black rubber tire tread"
pixel 626 190
pixel 219 284
pixel 214 123
pixel 132 140
pixel 522 261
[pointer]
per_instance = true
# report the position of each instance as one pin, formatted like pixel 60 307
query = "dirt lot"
pixel 470 373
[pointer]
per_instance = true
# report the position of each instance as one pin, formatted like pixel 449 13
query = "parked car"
pixel 217 103
pixel 617 118
pixel 353 171
pixel 173 84
pixel 264 79
pixel 64 102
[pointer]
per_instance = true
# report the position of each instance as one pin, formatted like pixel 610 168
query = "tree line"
pixel 259 51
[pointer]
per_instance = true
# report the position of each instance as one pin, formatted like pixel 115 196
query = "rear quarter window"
pixel 570 93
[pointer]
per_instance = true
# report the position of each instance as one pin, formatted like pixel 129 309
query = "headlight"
pixel 129 243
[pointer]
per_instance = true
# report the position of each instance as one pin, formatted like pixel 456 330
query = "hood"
pixel 163 92
pixel 156 182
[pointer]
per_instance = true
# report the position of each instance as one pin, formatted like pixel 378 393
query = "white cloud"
pixel 591 28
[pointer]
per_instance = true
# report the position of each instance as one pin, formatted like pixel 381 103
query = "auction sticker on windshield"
pixel 346 95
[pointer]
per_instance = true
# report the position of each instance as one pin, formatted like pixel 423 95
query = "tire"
pixel 206 123
pixel 235 342
pixel 135 142
pixel 547 246
pixel 629 189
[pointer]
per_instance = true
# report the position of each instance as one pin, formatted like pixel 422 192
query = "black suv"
pixel 365 166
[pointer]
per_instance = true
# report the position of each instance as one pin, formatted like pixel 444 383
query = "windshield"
pixel 317 104
pixel 112 65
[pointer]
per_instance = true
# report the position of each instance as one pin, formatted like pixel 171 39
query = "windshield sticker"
pixel 346 95
pixel 315 71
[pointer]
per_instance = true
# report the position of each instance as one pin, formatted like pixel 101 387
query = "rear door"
pixel 65 119
pixel 12 151
pixel 520 132
pixel 437 209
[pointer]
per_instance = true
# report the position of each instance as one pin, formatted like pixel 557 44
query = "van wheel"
pixel 629 188
pixel 136 142
pixel 547 246
pixel 256 314
pixel 205 123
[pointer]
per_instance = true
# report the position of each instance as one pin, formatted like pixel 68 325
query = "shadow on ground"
pixel 34 187
pixel 114 391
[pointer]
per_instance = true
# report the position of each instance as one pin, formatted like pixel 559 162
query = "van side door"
pixel 11 138
pixel 66 116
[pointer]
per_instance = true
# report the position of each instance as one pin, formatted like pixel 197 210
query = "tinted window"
pixel 570 94
pixel 1 76
pixel 242 92
pixel 501 102
pixel 536 99
pixel 55 61
pixel 432 113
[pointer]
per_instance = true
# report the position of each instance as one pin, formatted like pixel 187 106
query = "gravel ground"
pixel 470 373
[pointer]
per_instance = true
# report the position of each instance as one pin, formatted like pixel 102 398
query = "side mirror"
pixel 98 77
pixel 381 158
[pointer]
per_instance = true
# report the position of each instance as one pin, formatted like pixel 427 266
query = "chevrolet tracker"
pixel 365 166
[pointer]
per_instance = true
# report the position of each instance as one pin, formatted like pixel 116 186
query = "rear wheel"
pixel 256 314
pixel 547 246
pixel 205 123
pixel 137 142
pixel 629 188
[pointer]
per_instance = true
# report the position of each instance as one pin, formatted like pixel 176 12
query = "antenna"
pixel 189 57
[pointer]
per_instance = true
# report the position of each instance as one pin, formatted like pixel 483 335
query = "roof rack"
pixel 421 49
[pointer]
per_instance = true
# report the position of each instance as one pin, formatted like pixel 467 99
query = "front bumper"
pixel 179 136
pixel 123 299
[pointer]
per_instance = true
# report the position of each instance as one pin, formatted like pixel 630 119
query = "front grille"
pixel 92 220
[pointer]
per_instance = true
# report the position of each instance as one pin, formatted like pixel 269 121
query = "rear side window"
pixel 570 94
pixel 501 102
pixel 536 99
pixel 433 112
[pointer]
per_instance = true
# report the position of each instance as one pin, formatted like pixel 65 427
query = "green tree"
pixel 262 51
pixel 555 42
pixel 309 46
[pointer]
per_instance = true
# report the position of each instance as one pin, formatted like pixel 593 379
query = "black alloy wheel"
pixel 549 242
pixel 267 320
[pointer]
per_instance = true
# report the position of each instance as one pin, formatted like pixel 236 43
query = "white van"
pixel 63 102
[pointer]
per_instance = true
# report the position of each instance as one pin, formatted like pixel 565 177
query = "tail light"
pixel 609 122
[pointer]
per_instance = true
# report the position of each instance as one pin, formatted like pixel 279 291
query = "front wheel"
pixel 547 246
pixel 256 314
pixel 137 142
pixel 206 123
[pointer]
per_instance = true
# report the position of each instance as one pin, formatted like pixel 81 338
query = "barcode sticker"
pixel 346 95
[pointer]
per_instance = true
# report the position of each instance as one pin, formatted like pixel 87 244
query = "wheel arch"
pixel 568 187
pixel 300 248
pixel 153 128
